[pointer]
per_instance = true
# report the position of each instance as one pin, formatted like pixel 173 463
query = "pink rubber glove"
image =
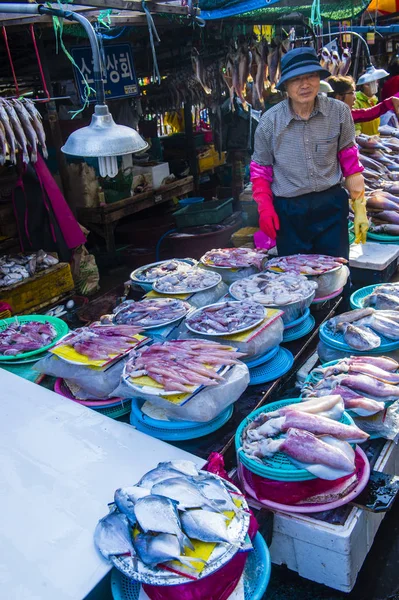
pixel 261 178
pixel 349 161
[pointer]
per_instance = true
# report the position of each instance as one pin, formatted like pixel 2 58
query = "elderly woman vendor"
pixel 304 147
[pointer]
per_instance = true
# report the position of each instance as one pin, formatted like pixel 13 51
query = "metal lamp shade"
pixel 103 137
pixel 372 74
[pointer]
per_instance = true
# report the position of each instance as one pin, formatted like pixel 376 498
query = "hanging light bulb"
pixel 105 140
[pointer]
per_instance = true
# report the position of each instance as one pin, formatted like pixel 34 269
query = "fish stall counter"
pixel 60 464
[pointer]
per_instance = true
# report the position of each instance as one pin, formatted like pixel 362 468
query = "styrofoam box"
pixel 325 553
pixel 372 255
pixel 158 173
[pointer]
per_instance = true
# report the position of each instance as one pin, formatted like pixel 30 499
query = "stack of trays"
pixel 269 366
pixel 174 430
pixel 299 328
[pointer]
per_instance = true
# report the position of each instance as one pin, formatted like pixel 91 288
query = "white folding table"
pixel 60 463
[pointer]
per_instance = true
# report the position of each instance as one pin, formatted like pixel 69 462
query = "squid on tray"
pixel 313 438
pixel 364 383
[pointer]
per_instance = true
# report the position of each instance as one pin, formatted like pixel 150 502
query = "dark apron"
pixel 315 223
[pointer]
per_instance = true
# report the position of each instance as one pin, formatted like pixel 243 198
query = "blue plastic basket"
pixel 273 369
pixel 263 358
pixel 383 238
pixel 295 333
pixel 187 201
pixel 298 321
pixel 175 430
pixel 256 575
pixel 336 340
pixel 278 466
pixel 117 411
pixel 357 298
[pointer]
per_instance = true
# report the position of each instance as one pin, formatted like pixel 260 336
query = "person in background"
pixel 304 146
pixel 344 90
pixel 391 86
pixel 366 98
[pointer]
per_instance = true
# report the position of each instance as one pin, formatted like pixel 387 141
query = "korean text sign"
pixel 120 77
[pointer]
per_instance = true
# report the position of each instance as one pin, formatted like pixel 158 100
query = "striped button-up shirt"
pixel 303 153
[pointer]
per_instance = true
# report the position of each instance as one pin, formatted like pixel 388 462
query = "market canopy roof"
pixel 385 7
pixel 267 10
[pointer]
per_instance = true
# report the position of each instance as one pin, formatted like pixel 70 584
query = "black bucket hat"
pixel 300 61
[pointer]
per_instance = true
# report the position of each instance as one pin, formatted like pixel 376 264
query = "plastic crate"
pixel 208 213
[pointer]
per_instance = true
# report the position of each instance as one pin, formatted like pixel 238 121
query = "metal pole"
pixel 40 9
pixel 357 58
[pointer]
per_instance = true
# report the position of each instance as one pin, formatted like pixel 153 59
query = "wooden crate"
pixel 40 290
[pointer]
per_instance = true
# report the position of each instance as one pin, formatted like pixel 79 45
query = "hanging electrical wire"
pixel 152 31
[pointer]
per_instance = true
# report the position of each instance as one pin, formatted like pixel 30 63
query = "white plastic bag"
pixel 204 406
pixel 256 345
pixel 93 382
pixel 200 299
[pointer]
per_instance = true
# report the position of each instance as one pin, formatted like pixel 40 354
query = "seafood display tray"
pixel 60 327
pixel 336 340
pixel 272 369
pixel 330 548
pixel 147 285
pixel 363 473
pixel 256 575
pixel 277 467
pixel 174 430
pixel 224 333
pixel 188 291
pixel 221 555
pixel 358 297
pixel 295 333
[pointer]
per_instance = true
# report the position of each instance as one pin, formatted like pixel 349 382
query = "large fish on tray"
pixel 359 365
pixel 381 301
pixel 378 203
pixel 159 515
pixel 325 457
pixel 369 385
pixel 359 337
pixel 113 536
pixel 155 550
pixel 381 325
pixel 316 424
pixel 348 317
pixel 386 228
pixel 330 406
pixel 386 216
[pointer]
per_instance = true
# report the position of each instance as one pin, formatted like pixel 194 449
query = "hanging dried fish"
pixel 10 137
pixel 199 70
pixel 18 130
pixel 37 124
pixel 26 122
